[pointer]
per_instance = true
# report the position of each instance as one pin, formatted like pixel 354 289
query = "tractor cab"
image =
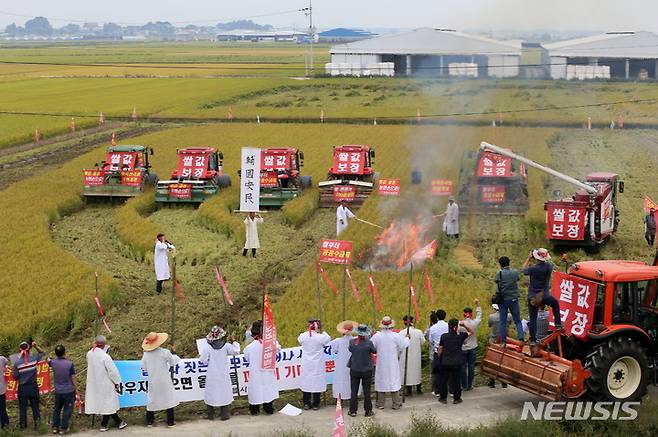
pixel 351 177
pixel 198 163
pixel 280 176
pixel 124 173
pixel 352 162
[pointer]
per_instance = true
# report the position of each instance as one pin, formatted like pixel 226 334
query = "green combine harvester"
pixel 125 172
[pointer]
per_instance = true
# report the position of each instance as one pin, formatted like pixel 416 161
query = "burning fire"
pixel 398 243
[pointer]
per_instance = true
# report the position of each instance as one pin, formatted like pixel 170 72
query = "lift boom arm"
pixel 486 146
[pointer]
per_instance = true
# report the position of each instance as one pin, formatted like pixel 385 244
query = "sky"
pixel 567 15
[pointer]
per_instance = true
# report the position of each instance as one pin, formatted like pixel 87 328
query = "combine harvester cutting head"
pixel 124 173
pixel 351 177
pixel 198 177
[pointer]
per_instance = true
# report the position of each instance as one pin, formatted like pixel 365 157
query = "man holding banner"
pixel 252 242
pixel 261 387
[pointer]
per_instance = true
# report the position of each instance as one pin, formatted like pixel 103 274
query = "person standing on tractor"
pixel 539 292
pixel 650 227
pixel 251 223
pixel 451 220
pixel 161 261
pixel 507 289
pixel 342 215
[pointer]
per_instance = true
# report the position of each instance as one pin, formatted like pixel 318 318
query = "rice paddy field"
pixel 53 242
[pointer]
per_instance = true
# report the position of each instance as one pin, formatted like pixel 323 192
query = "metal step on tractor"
pixel 125 172
pixel 351 177
pixel 589 217
pixel 198 177
pixel 608 349
pixel 280 176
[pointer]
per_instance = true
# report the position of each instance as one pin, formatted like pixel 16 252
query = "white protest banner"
pixel 190 376
pixel 250 180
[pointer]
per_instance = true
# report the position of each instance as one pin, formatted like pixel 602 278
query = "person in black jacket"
pixel 450 353
pixel 360 365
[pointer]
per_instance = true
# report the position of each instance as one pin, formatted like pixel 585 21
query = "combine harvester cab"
pixel 351 177
pixel 610 355
pixel 589 218
pixel 280 177
pixel 198 177
pixel 491 183
pixel 124 173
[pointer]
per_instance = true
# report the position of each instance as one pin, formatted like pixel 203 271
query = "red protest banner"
pixel 414 300
pixel 388 187
pixel 192 165
pixel 326 279
pixel 268 181
pixel 270 160
pixel 180 191
pixel 43 381
pixel 269 336
pixel 374 291
pixel 222 283
pixel 441 187
pixel 355 290
pixel 121 160
pixel 494 165
pixel 428 286
pixel 93 178
pixel 336 251
pixel 132 178
pixel 565 222
pixel 576 297
pixel 344 193
pixel 648 204
pixel 349 162
pixel 492 193
pixel 339 429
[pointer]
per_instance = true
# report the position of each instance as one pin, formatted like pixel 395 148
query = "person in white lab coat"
pixel 342 215
pixel 341 348
pixel 451 220
pixel 389 346
pixel 312 376
pixel 103 379
pixel 219 390
pixel 157 362
pixel 251 224
pixel 261 388
pixel 416 341
pixel 161 261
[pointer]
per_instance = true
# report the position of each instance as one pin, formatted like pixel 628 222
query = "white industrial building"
pixel 427 52
pixel 629 55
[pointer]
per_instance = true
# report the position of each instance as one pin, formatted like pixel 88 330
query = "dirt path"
pixel 464 254
pixel 482 406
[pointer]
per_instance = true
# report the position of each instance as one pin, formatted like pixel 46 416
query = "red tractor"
pixel 608 348
pixel 351 178
pixel 587 219
pixel 280 176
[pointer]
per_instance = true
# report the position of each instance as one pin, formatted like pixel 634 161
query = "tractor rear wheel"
pixel 152 179
pixel 307 182
pixel 224 181
pixel 620 370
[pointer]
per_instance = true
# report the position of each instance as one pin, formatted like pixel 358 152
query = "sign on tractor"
pixel 565 222
pixel 132 178
pixel 336 252
pixel 388 187
pixel 576 297
pixel 180 191
pixel 349 162
pixel 441 187
pixel 344 193
pixel 494 165
pixel 93 178
pixel 492 193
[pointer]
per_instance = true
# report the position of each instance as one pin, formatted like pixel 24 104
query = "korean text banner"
pixel 43 381
pixel 190 376
pixel 576 297
pixel 250 180
pixel 565 222
pixel 494 165
pixel 388 187
pixel 441 187
pixel 336 251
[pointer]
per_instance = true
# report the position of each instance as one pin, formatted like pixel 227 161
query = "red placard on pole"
pixel 336 252
pixel 441 187
pixel 388 187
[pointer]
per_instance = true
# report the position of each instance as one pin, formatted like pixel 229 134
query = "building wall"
pixel 558 67
pixel 501 66
pixel 358 60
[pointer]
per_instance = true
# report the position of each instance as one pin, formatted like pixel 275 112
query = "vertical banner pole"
pixel 344 297
pixel 406 351
pixel 372 300
pixel 173 302
pixel 317 290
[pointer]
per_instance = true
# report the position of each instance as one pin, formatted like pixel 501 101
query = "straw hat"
pixel 154 340
pixel 346 326
pixel 387 323
pixel 541 254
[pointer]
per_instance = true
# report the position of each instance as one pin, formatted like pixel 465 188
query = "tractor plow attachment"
pixel 540 372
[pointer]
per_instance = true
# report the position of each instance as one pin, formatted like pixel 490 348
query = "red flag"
pixel 220 279
pixel 339 421
pixel 179 291
pixel 269 336
pixel 426 252
pixel 355 290
pixel 428 286
pixel 374 291
pixel 412 290
pixel 326 278
pixel 98 306
pixel 78 402
pixel 648 204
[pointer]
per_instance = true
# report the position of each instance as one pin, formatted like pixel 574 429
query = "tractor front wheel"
pixel 306 182
pixel 620 370
pixel 224 181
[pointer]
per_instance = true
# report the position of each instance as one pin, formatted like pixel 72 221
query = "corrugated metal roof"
pixel 641 44
pixel 428 41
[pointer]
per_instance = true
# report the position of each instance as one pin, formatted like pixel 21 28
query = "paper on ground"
pixel 291 410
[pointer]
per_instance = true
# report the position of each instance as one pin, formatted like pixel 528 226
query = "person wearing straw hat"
pixel 261 387
pixel 312 379
pixel 251 223
pixel 157 362
pixel 416 341
pixel 219 390
pixel 341 348
pixel 360 363
pixel 539 289
pixel 389 346
pixel 102 388
pixel 451 220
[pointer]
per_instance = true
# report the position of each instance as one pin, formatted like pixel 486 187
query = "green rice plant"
pixel 217 214
pixel 297 211
pixel 133 227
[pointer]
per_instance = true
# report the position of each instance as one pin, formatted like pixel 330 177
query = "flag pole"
pixel 173 302
pixel 97 322
pixel 372 298
pixel 344 297
pixel 406 351
pixel 317 290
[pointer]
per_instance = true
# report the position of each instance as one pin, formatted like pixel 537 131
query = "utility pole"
pixel 308 11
